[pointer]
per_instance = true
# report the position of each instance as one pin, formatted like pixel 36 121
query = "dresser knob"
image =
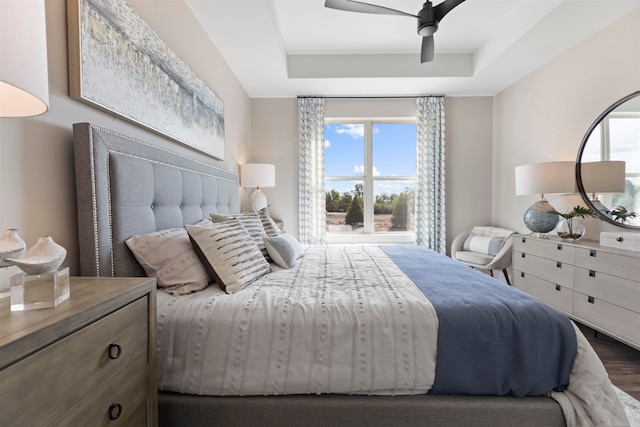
pixel 115 410
pixel 619 239
pixel 114 351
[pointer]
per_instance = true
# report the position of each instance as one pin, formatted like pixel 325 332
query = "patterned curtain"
pixel 430 197
pixel 312 210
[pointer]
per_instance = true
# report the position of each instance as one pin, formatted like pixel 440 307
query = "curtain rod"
pixel 368 97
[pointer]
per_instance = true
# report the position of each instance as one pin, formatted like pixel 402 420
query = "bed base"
pixel 341 410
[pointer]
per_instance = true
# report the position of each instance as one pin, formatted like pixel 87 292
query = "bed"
pixel 126 187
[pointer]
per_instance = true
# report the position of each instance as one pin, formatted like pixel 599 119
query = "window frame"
pixel 369 235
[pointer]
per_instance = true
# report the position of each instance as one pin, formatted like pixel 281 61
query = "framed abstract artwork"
pixel 119 64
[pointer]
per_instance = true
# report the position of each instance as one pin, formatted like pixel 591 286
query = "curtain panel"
pixel 312 210
pixel 430 193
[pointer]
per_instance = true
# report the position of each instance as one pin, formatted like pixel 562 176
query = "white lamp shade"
pixel 603 177
pixel 546 178
pixel 257 175
pixel 24 79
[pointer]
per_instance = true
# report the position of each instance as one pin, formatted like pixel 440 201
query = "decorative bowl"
pixel 44 257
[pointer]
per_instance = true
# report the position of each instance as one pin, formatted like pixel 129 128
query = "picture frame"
pixel 119 64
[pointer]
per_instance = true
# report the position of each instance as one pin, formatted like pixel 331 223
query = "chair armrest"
pixel 502 260
pixel 458 242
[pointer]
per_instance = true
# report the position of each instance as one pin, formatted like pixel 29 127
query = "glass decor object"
pixel 33 291
pixel 570 226
pixel 570 229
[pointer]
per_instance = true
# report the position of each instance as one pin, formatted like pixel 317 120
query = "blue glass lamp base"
pixel 539 219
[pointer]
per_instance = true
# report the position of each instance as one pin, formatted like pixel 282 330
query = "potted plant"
pixel 570 227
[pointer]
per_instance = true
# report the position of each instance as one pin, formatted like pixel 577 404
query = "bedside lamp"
pixel 24 79
pixel 606 177
pixel 544 178
pixel 257 175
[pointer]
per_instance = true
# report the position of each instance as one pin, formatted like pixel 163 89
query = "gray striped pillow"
pixel 251 222
pixel 228 253
pixel 270 227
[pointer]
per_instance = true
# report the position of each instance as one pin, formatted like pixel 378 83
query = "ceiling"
pixel 287 48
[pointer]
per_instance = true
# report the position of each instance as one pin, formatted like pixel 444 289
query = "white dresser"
pixel 596 285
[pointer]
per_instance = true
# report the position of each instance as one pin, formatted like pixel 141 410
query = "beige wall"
pixel 544 116
pixel 468 151
pixel 37 183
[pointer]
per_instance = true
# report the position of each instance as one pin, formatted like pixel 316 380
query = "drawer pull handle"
pixel 593 253
pixel 524 240
pixel 592 273
pixel 559 247
pixel 558 287
pixel 522 274
pixel 523 255
pixel 591 300
pixel 620 239
pixel 114 351
pixel 115 410
pixel 558 264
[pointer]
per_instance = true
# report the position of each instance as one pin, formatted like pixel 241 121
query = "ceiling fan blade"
pixel 356 6
pixel 426 53
pixel 445 7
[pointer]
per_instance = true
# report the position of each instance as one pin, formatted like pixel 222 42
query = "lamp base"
pixel 539 219
pixel 258 200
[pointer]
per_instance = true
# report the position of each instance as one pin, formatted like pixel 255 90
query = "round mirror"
pixel 608 164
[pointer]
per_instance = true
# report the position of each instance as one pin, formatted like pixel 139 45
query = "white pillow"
pixel 168 256
pixel 229 254
pixel 284 249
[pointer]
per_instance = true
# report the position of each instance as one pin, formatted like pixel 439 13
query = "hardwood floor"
pixel 621 361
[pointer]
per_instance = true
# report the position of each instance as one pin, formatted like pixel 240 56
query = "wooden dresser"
pixel 90 361
pixel 596 285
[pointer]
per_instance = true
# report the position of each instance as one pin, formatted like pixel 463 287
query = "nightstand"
pixel 89 361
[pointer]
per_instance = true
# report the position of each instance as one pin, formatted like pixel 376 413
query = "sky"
pixel 394 154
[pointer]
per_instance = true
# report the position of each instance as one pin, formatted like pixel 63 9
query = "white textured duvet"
pixel 354 331
pixel 365 331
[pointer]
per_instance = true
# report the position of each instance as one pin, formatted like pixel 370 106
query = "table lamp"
pixel 544 178
pixel 257 175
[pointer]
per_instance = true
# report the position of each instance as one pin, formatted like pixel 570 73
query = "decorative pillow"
pixel 168 256
pixel 284 249
pixel 269 225
pixel 483 244
pixel 229 254
pixel 251 222
pixel 481 239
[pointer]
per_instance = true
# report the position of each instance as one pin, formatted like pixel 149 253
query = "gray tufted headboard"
pixel 126 187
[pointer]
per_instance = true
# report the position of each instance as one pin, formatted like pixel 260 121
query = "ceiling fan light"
pixel 427 29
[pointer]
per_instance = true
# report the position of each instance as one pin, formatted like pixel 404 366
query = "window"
pixel 370 178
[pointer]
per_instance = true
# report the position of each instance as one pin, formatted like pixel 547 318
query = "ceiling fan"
pixel 428 18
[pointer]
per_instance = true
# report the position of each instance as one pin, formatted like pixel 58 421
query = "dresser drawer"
pixel 608 262
pixel 46 384
pixel 557 272
pixel 560 297
pixel 610 319
pixel 123 396
pixel 545 249
pixel 615 290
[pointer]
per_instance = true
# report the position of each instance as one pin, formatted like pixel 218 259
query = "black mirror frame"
pixel 585 197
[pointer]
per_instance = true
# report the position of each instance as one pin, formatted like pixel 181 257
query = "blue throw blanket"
pixel 492 339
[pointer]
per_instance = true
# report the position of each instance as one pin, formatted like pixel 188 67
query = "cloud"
pixel 355 131
pixel 327 143
pixel 359 170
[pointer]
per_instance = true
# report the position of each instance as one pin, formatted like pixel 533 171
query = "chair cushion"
pixel 476 258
